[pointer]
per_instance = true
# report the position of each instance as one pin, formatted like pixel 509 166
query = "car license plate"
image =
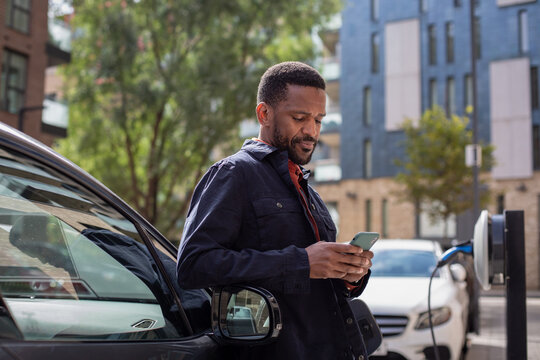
pixel 382 350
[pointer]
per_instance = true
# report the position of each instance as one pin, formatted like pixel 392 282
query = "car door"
pixel 80 278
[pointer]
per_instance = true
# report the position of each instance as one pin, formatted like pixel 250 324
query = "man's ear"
pixel 264 113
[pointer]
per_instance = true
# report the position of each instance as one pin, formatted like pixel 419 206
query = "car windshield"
pixel 403 263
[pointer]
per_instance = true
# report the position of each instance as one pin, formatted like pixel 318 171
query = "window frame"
pixel 523 33
pixel 535 91
pixel 367 159
pixel 450 42
pixel 12 9
pixel 374 8
pixel 368 214
pixel 5 87
pixel 432 44
pixel 367 109
pixel 433 93
pixel 450 96
pixel 375 52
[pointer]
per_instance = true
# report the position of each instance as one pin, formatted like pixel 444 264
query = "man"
pixel 254 220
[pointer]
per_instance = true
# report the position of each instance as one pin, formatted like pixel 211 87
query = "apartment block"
pixel 28 48
pixel 397 59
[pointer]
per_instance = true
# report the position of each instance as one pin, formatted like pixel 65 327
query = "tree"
pixel 435 173
pixel 156 86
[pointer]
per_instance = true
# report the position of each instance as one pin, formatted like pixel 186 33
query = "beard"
pixel 299 157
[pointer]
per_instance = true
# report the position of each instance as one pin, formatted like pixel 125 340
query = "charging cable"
pixel 446 257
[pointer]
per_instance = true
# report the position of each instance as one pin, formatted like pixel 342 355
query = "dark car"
pixel 82 275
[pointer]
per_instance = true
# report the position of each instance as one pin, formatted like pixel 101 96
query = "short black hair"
pixel 273 84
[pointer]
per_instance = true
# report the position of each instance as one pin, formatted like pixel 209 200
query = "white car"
pixel 397 294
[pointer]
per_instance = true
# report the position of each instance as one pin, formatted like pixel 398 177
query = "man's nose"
pixel 311 128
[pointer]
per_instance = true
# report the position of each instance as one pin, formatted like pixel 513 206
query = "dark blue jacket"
pixel 246 224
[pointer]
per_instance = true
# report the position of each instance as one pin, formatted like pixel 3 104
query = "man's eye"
pixel 318 122
pixel 298 119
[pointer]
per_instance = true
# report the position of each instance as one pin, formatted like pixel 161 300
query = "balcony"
pixel 58 47
pixel 331 122
pixel 55 117
pixel 327 170
pixel 331 69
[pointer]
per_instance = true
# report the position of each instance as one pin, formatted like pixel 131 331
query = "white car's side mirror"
pixel 458 272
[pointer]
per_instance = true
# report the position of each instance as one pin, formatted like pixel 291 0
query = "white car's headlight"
pixel 438 316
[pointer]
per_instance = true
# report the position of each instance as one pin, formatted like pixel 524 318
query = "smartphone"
pixel 365 239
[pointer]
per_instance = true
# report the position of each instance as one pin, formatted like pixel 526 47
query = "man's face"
pixel 295 123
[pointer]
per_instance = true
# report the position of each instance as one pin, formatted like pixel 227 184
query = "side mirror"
pixel 458 272
pixel 243 314
pixel 368 326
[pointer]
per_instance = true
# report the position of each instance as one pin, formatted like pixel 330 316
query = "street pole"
pixel 473 113
pixel 516 287
pixel 475 308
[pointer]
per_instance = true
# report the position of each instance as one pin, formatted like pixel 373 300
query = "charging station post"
pixel 516 306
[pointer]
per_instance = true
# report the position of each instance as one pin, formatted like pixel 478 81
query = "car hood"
pixel 399 295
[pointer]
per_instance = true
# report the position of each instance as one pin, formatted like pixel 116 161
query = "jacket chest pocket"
pixel 330 232
pixel 281 222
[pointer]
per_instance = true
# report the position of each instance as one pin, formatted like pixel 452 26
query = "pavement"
pixel 490 343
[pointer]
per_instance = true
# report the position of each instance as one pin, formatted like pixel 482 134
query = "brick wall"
pixel 31 45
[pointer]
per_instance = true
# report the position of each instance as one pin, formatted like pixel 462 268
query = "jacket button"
pixel 361 357
pixel 279 205
pixel 313 206
pixel 349 321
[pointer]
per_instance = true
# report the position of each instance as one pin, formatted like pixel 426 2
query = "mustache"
pixel 298 139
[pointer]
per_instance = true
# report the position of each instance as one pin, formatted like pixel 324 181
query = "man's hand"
pixel 339 261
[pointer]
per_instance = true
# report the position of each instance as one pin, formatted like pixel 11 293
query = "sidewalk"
pixel 490 344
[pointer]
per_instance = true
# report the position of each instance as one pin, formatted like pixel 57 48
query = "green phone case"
pixel 365 239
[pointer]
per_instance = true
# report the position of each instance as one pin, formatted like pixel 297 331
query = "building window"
pixel 523 32
pixel 367 159
pixel 534 87
pixel 12 81
pixel 368 215
pixel 449 42
pixel 367 106
pixel 374 10
pixel 423 6
pixel 374 53
pixel 450 96
pixel 432 45
pixel 477 38
pixel 468 96
pixel 18 15
pixel 536 147
pixel 457 3
pixel 384 217
pixel 432 93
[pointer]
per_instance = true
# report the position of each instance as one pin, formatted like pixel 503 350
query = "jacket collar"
pixel 258 149
pixel 261 150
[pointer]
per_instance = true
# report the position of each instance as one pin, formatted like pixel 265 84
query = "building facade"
pixel 399 58
pixel 28 48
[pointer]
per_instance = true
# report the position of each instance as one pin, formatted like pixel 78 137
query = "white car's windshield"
pixel 403 263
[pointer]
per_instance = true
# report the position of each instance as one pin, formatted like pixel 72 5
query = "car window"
pixel 72 267
pixel 403 263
